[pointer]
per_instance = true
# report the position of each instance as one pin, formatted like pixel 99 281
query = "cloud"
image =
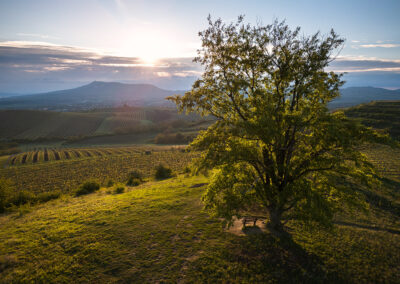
pixel 383 45
pixel 31 67
pixel 37 36
pixel 364 64
pixel 24 64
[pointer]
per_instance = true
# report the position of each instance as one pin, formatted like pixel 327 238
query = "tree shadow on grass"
pixel 260 257
pixel 362 226
pixel 382 202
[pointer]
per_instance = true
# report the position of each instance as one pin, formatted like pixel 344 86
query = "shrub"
pixel 87 187
pixel 22 197
pixel 5 190
pixel 47 196
pixel 162 172
pixel 133 182
pixel 110 183
pixel 119 189
pixel 134 178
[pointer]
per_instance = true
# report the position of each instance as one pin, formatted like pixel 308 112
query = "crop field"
pixel 380 115
pixel 53 154
pixel 65 169
pixel 385 159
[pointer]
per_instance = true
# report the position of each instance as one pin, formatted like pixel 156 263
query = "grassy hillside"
pixel 380 115
pixel 157 232
pixel 31 125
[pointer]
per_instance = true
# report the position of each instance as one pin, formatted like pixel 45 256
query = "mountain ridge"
pixel 94 94
pixel 111 94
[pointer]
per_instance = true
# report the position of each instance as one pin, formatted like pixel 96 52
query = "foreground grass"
pixel 157 232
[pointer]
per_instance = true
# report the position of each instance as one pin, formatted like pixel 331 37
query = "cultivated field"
pixel 380 115
pixel 65 169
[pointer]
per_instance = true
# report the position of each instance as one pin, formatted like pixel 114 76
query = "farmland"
pixel 379 115
pixel 63 170
pixel 29 126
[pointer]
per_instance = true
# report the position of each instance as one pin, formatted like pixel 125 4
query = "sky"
pixel 50 44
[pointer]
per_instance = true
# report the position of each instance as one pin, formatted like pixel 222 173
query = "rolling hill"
pixel 110 94
pixel 95 94
pixel 34 125
pixel 379 115
pixel 353 96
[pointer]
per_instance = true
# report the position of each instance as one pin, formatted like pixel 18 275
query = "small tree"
pixel 275 146
pixel 162 172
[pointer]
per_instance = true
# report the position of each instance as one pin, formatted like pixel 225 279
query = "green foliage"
pixel 173 138
pixel 22 197
pixel 276 147
pixel 10 197
pixel 5 192
pixel 162 172
pixel 134 178
pixel 110 183
pixel 87 187
pixel 47 196
pixel 119 190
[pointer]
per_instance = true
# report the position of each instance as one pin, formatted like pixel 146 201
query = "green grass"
pixel 158 232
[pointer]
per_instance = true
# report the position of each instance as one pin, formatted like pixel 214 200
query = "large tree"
pixel 275 146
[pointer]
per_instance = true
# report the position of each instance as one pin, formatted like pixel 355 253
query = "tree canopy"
pixel 275 147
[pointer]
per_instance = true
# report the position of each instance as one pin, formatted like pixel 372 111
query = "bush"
pixel 162 172
pixel 22 197
pixel 5 191
pixel 47 196
pixel 110 183
pixel 134 178
pixel 87 187
pixel 119 189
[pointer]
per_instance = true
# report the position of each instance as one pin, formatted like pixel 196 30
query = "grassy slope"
pixel 381 115
pixel 158 232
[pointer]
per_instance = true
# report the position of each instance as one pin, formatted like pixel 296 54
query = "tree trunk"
pixel 275 222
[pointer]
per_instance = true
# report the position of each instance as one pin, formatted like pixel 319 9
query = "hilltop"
pixel 95 94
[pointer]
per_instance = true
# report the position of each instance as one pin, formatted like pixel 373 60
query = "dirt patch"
pixel 237 228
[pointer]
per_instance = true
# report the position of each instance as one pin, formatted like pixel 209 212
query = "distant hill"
pixel 6 95
pixel 379 115
pixel 111 94
pixel 95 94
pixel 353 96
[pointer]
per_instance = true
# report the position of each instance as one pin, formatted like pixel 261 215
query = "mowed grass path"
pixel 157 232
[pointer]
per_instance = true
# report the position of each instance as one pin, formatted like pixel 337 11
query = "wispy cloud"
pixel 364 64
pixel 37 36
pixel 383 45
